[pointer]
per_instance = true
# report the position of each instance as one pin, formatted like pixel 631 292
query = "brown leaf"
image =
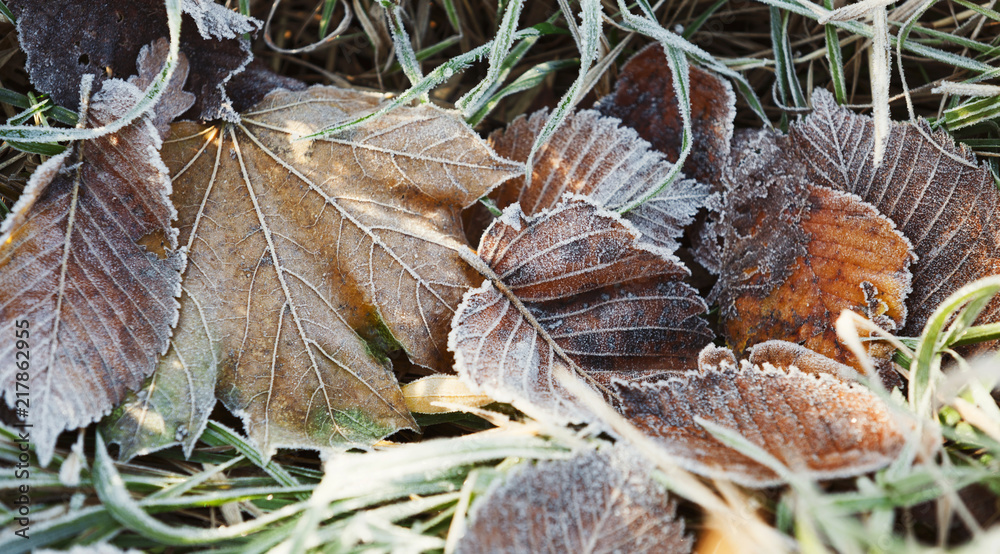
pixel 68 39
pixel 313 260
pixel 594 156
pixel 597 501
pixel 939 196
pixel 644 100
pixel 612 305
pixel 815 424
pixel 74 265
pixel 794 255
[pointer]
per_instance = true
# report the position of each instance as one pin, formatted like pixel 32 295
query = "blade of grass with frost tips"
pixel 358 475
pixel 19 100
pixel 926 363
pixel 813 12
pixel 216 434
pixel 146 103
pixel 119 503
pixel 440 74
pixel 401 41
pixel 836 60
pixel 528 80
pixel 589 44
pixel 981 10
pixel 502 43
pixel 784 72
pixel 880 73
pixel 972 113
pixel 682 89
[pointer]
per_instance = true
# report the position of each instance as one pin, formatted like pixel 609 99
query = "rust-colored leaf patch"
pixel 596 157
pixel 814 424
pixel 597 296
pixel 597 501
pixel 644 100
pixel 794 255
pixel 942 199
pixel 314 260
pixel 73 265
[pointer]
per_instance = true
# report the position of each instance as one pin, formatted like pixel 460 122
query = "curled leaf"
pixel 597 501
pixel 592 297
pixel 596 157
pixel 814 424
pixel 90 261
pixel 314 260
pixel 645 100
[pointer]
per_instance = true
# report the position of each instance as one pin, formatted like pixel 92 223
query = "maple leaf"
pixel 645 100
pixel 794 255
pixel 574 288
pixel 69 39
pixel 939 196
pixel 596 157
pixel 89 259
pixel 596 501
pixel 310 260
pixel 814 424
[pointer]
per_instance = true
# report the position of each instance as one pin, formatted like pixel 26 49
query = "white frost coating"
pixel 40 179
pixel 592 288
pixel 214 21
pixel 593 155
pixel 815 424
pixel 596 501
pixel 511 216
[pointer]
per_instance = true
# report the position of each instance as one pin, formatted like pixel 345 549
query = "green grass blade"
pixel 836 60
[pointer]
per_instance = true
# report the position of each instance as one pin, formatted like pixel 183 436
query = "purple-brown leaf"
pixel 598 297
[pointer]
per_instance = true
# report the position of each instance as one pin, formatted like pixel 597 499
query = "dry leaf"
pixel 68 39
pixel 939 196
pixel 597 501
pixel 425 395
pixel 598 297
pixel 90 261
pixel 594 156
pixel 644 100
pixel 794 255
pixel 313 260
pixel 815 424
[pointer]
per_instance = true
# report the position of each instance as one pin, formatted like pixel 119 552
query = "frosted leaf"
pixel 644 100
pixel 938 195
pixel 596 157
pixel 596 502
pixel 89 259
pixel 71 38
pixel 781 353
pixel 817 425
pixel 793 255
pixel 312 261
pixel 615 307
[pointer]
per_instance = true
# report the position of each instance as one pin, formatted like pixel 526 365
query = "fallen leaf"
pixel 74 264
pixel 588 294
pixel 644 100
pixel 71 38
pixel 596 157
pixel 815 424
pixel 313 260
pixel 937 193
pixel 794 255
pixel 781 353
pixel 596 501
